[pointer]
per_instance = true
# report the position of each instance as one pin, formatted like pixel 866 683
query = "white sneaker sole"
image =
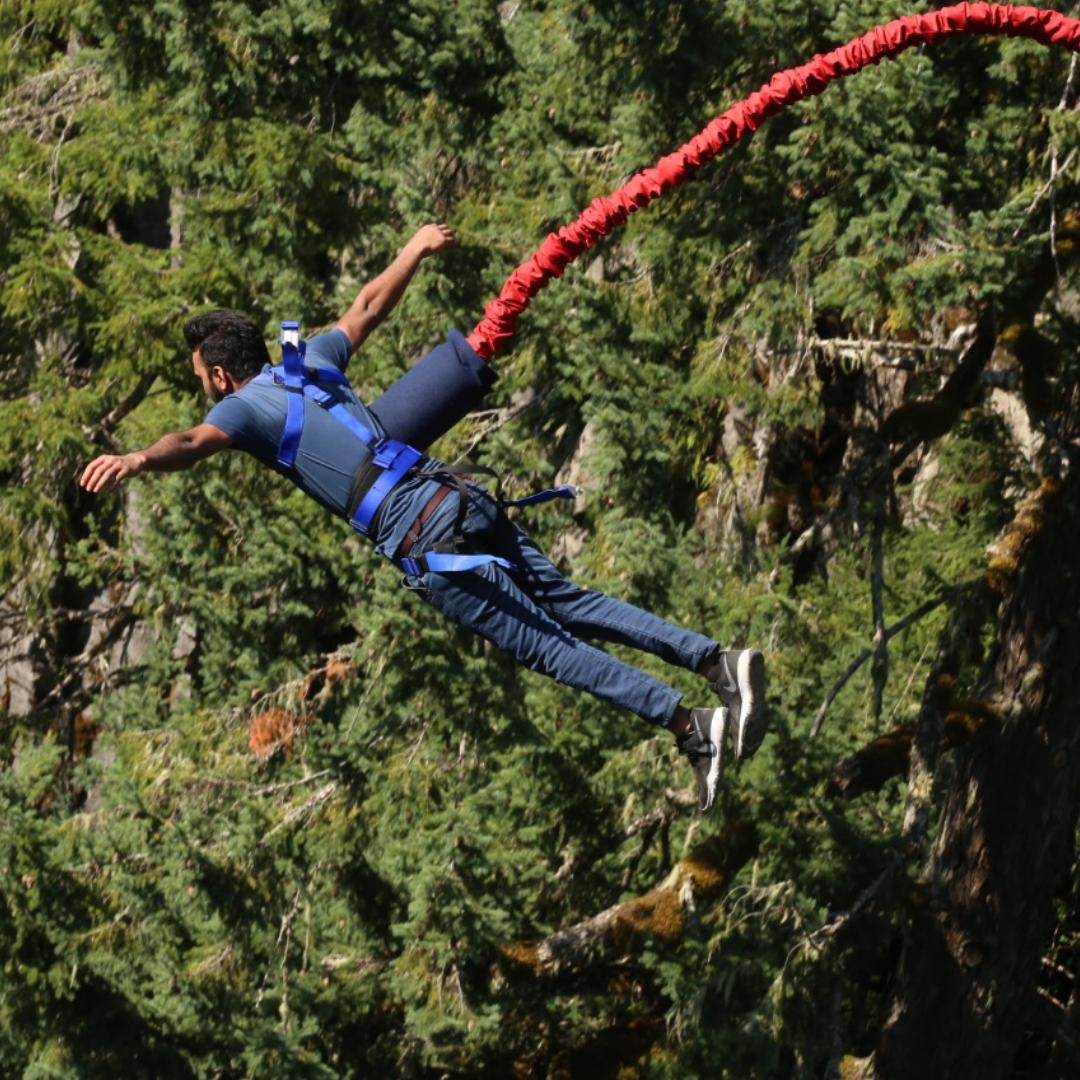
pixel 717 737
pixel 753 714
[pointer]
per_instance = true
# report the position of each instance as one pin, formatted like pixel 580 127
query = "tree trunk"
pixel 967 978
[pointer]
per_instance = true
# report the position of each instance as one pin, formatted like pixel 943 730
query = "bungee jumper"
pixel 451 538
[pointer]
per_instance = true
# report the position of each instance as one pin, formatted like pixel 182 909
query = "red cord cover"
pixel 783 89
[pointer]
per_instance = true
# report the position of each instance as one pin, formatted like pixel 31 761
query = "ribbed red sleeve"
pixel 783 89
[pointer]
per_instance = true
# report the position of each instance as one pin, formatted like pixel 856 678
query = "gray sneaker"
pixel 739 679
pixel 703 745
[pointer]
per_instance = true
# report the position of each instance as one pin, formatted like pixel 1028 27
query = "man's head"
pixel 227 349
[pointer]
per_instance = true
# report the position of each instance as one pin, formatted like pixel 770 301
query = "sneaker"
pixel 739 678
pixel 704 746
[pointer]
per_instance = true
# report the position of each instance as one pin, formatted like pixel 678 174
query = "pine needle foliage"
pixel 264 813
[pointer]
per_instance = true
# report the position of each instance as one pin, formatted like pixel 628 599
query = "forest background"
pixel 265 814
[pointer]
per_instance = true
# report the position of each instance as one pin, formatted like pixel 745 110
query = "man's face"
pixel 212 379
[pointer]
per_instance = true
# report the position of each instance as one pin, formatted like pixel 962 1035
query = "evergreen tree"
pixel 264 813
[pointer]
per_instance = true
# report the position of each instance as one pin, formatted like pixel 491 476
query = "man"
pixel 515 597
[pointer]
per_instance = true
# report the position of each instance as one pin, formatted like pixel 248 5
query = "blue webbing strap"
pixel 395 459
pixel 567 491
pixel 337 409
pixel 292 369
pixel 437 562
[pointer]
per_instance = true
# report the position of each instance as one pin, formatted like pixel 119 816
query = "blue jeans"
pixel 542 619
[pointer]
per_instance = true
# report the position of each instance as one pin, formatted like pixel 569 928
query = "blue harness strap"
pixel 292 375
pixel 438 562
pixel 394 460
pixel 567 491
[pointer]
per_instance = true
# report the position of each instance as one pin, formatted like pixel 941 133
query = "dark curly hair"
pixel 228 340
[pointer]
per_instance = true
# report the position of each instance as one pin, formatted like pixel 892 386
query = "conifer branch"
pixel 663 912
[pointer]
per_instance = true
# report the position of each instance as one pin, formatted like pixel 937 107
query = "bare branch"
pixel 892 864
pixel 1048 1016
pixel 880 666
pixel 39 99
pixel 950 594
pixel 298 813
pixel 104 428
pixel 495 419
pixel 284 937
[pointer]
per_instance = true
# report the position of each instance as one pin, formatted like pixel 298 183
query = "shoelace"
pixel 694 747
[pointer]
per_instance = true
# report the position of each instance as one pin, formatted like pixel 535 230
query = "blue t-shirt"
pixel 329 454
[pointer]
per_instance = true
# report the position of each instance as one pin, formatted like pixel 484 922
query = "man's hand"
pixel 431 239
pixel 106 471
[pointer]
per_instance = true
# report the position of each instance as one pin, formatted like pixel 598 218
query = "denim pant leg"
pixel 595 616
pixel 489 602
pixel 537 615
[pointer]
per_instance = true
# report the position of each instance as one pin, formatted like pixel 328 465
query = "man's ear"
pixel 222 380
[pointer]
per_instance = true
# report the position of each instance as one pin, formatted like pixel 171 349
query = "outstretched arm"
pixel 177 450
pixel 379 296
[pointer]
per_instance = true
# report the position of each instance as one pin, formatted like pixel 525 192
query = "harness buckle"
pixel 387 451
pixel 413 567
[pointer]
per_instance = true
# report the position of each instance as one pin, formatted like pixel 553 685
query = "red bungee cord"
pixel 783 89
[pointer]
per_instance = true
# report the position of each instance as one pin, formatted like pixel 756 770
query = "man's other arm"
pixel 380 295
pixel 177 450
